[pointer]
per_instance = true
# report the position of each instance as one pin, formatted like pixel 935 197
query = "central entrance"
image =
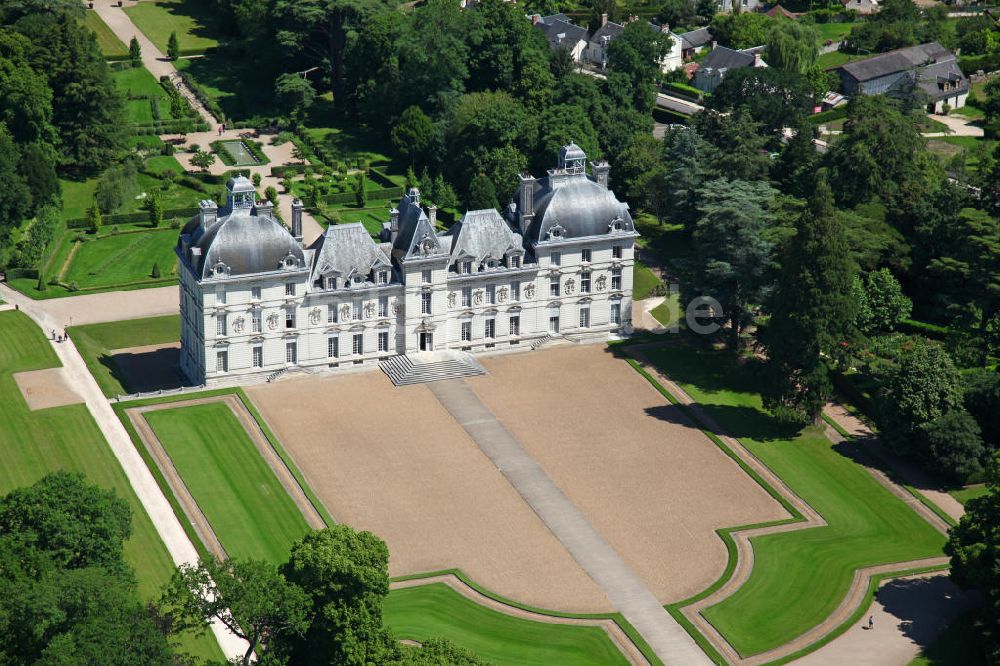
pixel 426 342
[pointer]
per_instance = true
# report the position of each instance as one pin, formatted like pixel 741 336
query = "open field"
pixel 833 31
pixel 250 512
pixel 836 59
pixel 393 461
pixel 107 41
pixel 123 258
pixel 963 495
pixel 648 481
pixel 35 443
pixel 867 525
pixel 419 613
pixel 96 342
pixel 190 19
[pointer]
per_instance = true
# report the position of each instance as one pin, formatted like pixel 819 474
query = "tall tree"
pixel 791 46
pixel 772 97
pixel 811 311
pixel 737 144
pixel 413 135
pixel 683 158
pixel 734 253
pixel 637 53
pixel 135 52
pixel 880 303
pixel 482 194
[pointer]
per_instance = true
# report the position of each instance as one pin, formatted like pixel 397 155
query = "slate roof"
pixel 482 235
pixel 245 241
pixel 695 38
pixel 577 204
pixel 414 227
pixel 609 30
pixel 345 249
pixel 723 57
pixel 930 79
pixel 900 60
pixel 561 31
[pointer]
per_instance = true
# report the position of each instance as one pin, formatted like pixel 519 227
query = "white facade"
pixel 487 284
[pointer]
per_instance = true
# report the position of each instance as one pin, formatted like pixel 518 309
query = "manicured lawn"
pixel 96 341
pixel 248 509
pixel 836 59
pixel 963 495
pixel 192 20
pixel 161 163
pixel 77 197
pixel 107 41
pixel 799 577
pixel 833 31
pixel 117 259
pixel 419 613
pixel 137 81
pixel 668 312
pixel 644 280
pixel 969 112
pixel 66 438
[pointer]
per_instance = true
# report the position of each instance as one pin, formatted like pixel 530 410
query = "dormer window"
pixel 515 261
pixel 289 262
pixel 358 279
pixel 330 282
pixel 382 277
pixel 466 267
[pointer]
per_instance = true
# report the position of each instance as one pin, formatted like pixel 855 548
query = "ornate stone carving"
pixel 502 294
pixel 272 321
pixel 345 312
pixel 477 297
pixel 314 316
pixel 451 299
pixel 602 282
pixel 238 325
pixel 396 307
pixel 369 309
pixel 426 245
pixel 570 285
pixel 529 290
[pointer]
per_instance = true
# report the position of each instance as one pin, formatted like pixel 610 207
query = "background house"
pixel 863 7
pixel 561 32
pixel 722 60
pixel 930 67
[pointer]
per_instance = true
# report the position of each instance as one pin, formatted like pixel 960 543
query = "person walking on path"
pixel 871 622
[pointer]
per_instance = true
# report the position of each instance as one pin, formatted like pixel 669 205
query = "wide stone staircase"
pixel 421 367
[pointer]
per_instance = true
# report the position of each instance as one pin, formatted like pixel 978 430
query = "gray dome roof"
pixel 570 152
pixel 244 243
pixel 576 207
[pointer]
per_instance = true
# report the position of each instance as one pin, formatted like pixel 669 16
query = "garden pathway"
pixel 111 306
pixel 152 58
pixel 167 525
pixel 623 587
pixel 958 125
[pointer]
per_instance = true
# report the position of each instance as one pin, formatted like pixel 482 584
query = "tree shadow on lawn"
pixel 237 75
pixel 206 23
pixel 736 421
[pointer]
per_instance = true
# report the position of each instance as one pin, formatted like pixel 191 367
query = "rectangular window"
pixel 554 324
pixel 491 294
pixel 466 266
pixel 220 324
pixel 466 331
pixel 382 277
pixel 584 317
pixel 289 317
pixel 331 347
pixel 254 293
pixel 331 313
pixel 383 306
pixel 330 282
pixel 555 258
pixel 466 297
pixel 356 311
pixel 515 324
pixel 289 289
pixel 425 303
pixel 383 341
pixel 616 313
pixel 554 286
pixel 515 291
pixel 585 254
pixel 358 343
pixel 515 261
pixel 255 321
pixel 291 352
pixel 491 328
pixel 616 251
pixel 222 361
pixel 257 356
pixel 425 276
pixel 616 279
pixel 585 282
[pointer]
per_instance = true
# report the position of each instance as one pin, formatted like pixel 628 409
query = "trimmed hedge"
pixel 827 116
pixel 684 91
pixel 131 218
pixel 279 171
pixel 923 328
pixel 349 197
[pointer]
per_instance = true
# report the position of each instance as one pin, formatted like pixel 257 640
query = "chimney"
pixel 757 60
pixel 208 212
pixel 535 18
pixel 264 208
pixel 714 44
pixel 297 219
pixel 604 19
pixel 432 215
pixel 393 224
pixel 600 169
pixel 664 27
pixel 631 19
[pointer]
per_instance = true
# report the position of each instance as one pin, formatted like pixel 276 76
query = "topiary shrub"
pixel 155 273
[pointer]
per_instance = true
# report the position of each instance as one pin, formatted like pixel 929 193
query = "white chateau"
pixel 255 301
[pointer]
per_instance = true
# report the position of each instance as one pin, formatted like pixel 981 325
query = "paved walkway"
pixel 626 591
pixel 146 489
pixel 111 306
pixel 647 321
pixel 958 125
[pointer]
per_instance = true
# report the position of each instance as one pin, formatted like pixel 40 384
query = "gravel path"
pixel 624 588
pixel 167 525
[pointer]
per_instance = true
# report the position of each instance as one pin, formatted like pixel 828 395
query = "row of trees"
pixel 69 596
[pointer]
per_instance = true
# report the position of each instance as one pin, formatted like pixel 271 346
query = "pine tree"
pixel 411 178
pixel 361 190
pixel 135 52
pixel 811 311
pixel 155 273
pixel 173 48
pixel 155 209
pixel 482 193
pixel 41 286
pixel 93 218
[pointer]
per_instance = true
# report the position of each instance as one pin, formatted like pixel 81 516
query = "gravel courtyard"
pixel 652 485
pixel 393 461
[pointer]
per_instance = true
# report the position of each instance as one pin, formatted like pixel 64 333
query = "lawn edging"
pixel 617 618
